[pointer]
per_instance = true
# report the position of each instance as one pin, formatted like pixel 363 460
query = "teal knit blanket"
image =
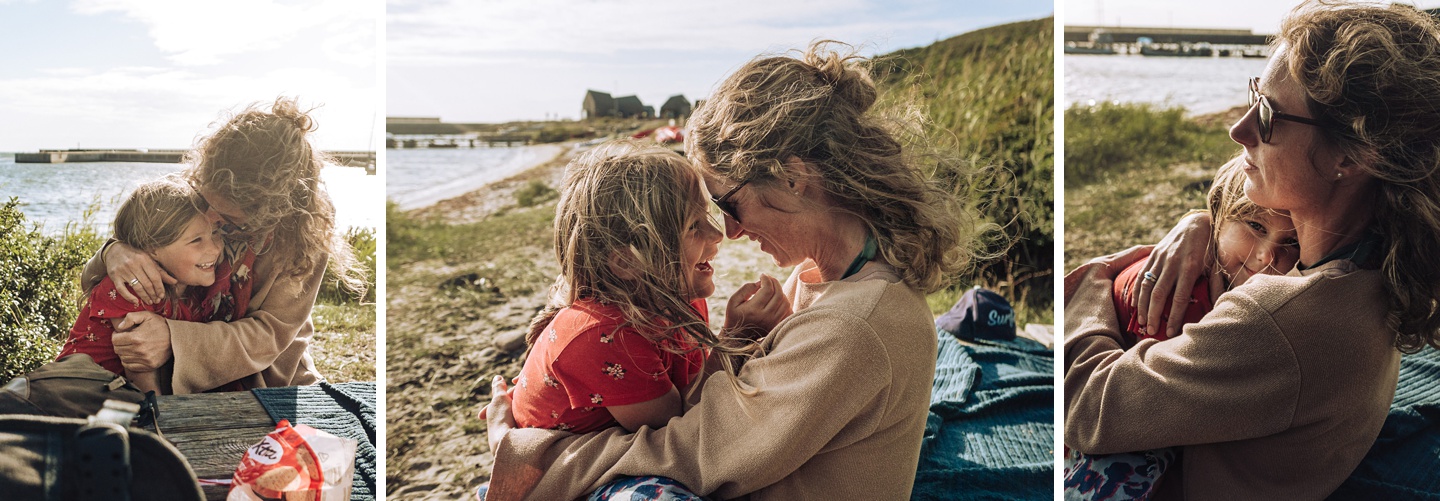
pixel 990 433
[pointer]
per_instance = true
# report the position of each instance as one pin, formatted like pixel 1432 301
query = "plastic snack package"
pixel 295 463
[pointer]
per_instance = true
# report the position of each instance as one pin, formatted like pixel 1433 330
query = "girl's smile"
pixel 191 258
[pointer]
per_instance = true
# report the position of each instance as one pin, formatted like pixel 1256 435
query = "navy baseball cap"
pixel 980 314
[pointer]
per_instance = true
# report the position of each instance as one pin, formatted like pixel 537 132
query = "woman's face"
pixel 1296 168
pixel 1260 244
pixel 222 209
pixel 191 259
pixel 772 221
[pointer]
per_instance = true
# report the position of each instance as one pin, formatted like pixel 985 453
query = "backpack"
pixel 50 450
pixel 73 387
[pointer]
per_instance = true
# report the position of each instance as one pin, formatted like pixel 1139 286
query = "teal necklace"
pixel 865 256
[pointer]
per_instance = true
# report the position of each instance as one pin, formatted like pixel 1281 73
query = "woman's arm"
pixel 123 263
pixel 813 386
pixel 1231 376
pixel 1180 258
pixel 272 340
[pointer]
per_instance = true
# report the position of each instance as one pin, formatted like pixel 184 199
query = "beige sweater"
pixel 841 399
pixel 269 347
pixel 1276 394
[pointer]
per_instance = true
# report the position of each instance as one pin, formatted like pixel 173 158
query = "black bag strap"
pixel 101 462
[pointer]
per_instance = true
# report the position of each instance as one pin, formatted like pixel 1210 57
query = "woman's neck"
pixel 1323 230
pixel 846 241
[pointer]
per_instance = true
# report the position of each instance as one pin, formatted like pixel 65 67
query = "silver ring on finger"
pixel 1149 278
pixel 134 281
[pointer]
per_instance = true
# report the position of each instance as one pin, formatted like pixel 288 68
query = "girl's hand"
pixel 142 340
pixel 497 415
pixel 1179 259
pixel 135 274
pixel 756 308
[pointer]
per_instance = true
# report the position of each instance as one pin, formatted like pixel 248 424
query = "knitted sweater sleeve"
pixel 822 382
pixel 1231 376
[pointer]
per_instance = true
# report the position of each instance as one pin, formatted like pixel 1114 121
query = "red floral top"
pixel 93 328
pixel 586 361
pixel 225 300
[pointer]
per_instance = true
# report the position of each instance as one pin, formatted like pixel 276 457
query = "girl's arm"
pixel 145 381
pixel 654 413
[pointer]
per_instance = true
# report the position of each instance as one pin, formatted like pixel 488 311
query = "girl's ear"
pixel 622 264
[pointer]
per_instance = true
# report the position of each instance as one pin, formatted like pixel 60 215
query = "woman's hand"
pixel 142 340
pixel 497 415
pixel 1178 260
pixel 756 308
pixel 135 274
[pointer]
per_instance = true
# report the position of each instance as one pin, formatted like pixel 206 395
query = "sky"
pixel 1258 16
pixel 158 73
pixel 503 60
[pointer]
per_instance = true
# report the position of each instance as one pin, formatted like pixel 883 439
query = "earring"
pixel 1339 175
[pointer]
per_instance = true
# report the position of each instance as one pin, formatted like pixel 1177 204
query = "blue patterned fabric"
pixel 1405 459
pixel 990 434
pixel 1093 477
pixel 643 489
pixel 343 409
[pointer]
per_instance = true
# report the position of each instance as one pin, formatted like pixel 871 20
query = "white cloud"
pixel 205 33
pixel 166 107
pixel 449 30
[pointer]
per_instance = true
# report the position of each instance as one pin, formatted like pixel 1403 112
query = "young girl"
pixel 259 175
pixel 167 220
pixel 627 327
pixel 1250 240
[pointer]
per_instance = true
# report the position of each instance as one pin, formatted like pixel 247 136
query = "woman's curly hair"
pixel 1374 71
pixel 817 107
pixel 263 162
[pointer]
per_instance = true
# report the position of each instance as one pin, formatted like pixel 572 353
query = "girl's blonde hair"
pixel 1227 202
pixel 816 108
pixel 263 162
pixel 626 204
pixel 157 213
pixel 1371 71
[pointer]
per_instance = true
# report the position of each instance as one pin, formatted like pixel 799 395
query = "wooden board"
pixel 213 430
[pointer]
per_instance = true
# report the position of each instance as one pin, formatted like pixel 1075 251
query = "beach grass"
pixel 1131 172
pixel 987 100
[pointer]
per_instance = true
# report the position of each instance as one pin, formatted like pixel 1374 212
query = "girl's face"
pixel 1296 168
pixel 698 245
pixel 191 259
pixel 1263 243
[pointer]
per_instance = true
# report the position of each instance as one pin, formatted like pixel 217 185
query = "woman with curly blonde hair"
pixel 1282 389
pixel 834 404
pixel 260 177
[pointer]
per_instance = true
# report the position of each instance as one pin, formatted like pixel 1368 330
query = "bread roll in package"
pixel 295 463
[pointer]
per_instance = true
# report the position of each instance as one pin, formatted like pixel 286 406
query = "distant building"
pixel 649 111
pixel 630 107
pixel 675 107
pixel 412 120
pixel 598 104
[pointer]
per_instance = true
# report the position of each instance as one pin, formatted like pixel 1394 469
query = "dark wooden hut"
pixel 675 107
pixel 598 104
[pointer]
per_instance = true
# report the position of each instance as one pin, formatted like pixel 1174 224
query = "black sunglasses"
pixel 1267 115
pixel 723 201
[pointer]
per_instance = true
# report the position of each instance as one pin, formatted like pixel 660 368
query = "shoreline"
pixel 475 204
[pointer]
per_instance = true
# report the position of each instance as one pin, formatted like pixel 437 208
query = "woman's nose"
pixel 1245 131
pixel 732 228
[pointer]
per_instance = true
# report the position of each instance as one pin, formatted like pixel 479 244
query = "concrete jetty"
pixel 365 159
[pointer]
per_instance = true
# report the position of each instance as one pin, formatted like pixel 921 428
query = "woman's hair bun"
pixel 847 73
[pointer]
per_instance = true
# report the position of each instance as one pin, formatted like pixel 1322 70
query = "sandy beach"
pixel 426 177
